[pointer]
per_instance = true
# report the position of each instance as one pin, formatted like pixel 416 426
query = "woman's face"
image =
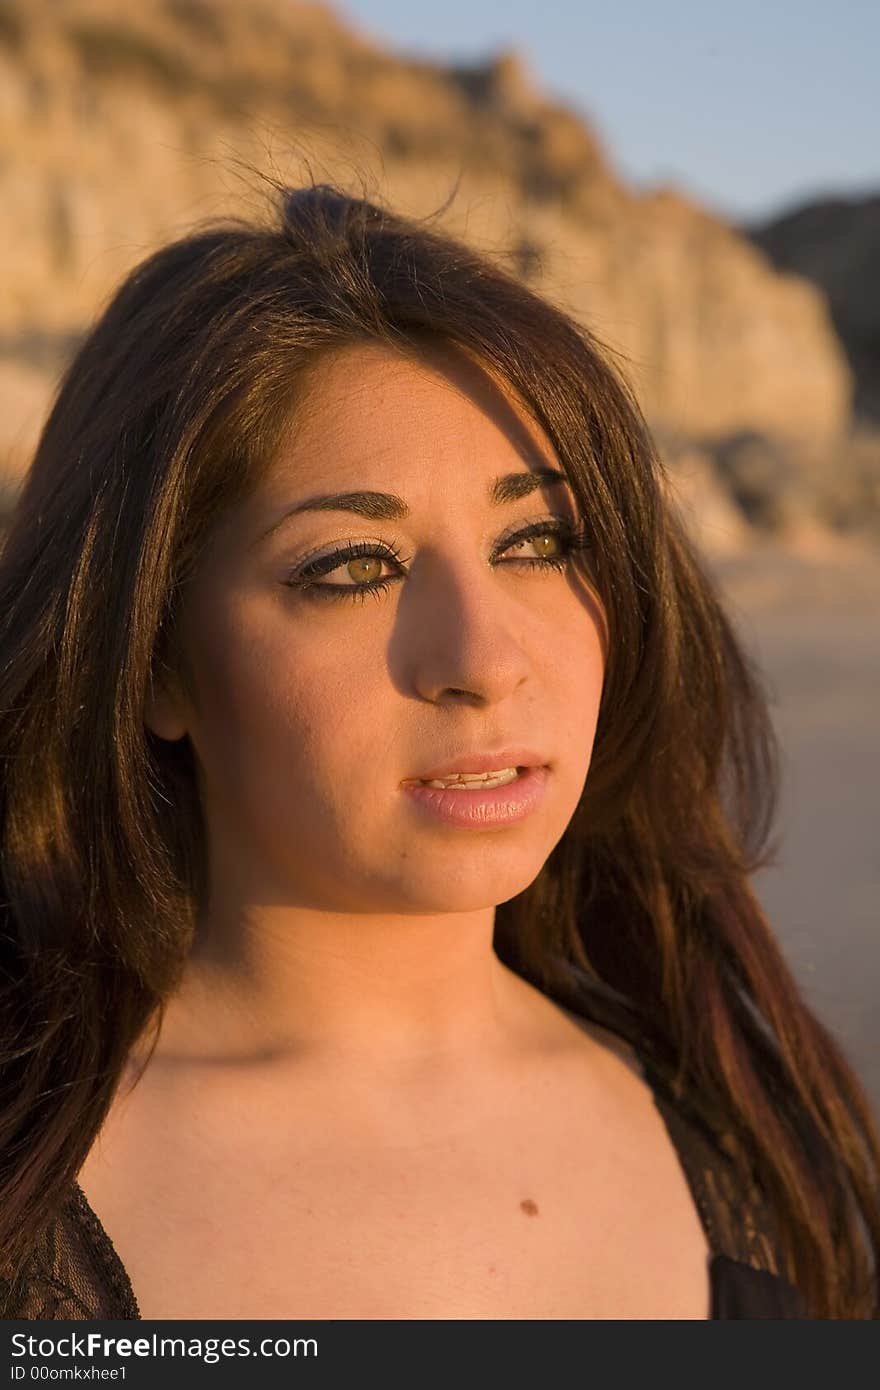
pixel 312 706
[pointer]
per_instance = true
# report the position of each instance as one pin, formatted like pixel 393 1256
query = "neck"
pixel 396 994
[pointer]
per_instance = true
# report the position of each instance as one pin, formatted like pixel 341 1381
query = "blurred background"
pixel 700 184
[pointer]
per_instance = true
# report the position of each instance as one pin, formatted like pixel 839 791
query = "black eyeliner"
pixel 305 576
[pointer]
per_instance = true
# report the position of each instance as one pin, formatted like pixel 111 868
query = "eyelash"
pixel 304 579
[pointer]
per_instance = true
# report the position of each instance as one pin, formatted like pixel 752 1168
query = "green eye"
pixel 556 541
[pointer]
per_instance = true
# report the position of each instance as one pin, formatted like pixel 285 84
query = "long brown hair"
pixel 167 414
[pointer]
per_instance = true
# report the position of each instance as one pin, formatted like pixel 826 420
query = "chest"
pixel 538 1215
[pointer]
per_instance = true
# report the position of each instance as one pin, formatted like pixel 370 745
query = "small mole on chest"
pixel 529 1207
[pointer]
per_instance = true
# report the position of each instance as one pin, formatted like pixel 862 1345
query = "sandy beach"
pixel 812 623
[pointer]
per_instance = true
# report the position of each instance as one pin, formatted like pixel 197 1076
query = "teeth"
pixel 481 779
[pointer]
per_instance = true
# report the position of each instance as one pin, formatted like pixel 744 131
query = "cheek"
pixel 584 657
pixel 576 684
pixel 282 715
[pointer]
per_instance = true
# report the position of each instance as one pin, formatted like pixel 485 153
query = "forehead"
pixel 367 412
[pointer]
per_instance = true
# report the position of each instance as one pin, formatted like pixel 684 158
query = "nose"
pixel 461 631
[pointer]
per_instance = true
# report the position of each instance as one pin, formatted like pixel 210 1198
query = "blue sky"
pixel 750 105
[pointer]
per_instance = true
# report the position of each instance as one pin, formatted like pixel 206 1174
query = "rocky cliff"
pixel 835 243
pixel 122 127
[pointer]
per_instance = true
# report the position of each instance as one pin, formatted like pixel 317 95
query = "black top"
pixel 77 1274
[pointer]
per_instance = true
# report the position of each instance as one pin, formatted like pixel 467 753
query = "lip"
pixel 481 810
pixel 481 762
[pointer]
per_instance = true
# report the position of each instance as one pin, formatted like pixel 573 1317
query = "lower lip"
pixel 483 810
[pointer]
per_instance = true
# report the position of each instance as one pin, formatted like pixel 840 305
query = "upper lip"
pixel 481 762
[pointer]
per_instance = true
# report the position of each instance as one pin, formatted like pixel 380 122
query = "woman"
pixel 292 1027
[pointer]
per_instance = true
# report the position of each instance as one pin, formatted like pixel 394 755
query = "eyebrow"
pixel 388 506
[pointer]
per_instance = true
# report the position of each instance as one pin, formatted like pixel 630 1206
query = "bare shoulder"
pixel 609 1042
pixel 568 1034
